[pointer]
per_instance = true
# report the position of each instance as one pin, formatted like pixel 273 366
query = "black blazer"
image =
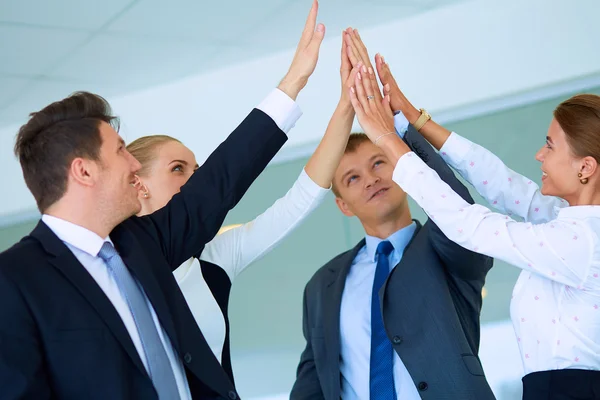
pixel 430 305
pixel 60 336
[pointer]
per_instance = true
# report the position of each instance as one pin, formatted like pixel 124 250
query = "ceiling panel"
pixel 80 14
pixel 31 51
pixel 40 93
pixel 134 62
pixel 335 14
pixel 9 88
pixel 195 19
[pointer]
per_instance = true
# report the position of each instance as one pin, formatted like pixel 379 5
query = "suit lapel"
pixel 137 262
pixel 209 370
pixel 64 260
pixel 400 269
pixel 331 314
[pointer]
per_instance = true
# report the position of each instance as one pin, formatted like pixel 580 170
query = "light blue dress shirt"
pixel 355 313
pixel 355 322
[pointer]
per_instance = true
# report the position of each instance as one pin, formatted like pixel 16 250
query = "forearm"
pixel 500 186
pixel 322 164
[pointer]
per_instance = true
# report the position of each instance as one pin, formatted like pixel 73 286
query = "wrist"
pixel 411 113
pixel 345 107
pixel 292 86
pixel 393 147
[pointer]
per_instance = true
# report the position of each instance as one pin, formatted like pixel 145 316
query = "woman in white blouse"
pixel 206 280
pixel 555 307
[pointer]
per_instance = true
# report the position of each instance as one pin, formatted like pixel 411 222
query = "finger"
pixel 353 48
pixel 352 76
pixel 387 106
pixel 360 48
pixel 358 109
pixel 309 26
pixel 360 91
pixel 370 92
pixel 381 71
pixel 374 83
pixel 317 39
pixel 346 65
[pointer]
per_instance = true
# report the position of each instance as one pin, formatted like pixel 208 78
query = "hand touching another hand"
pixel 376 117
pixel 306 57
pixel 347 73
pixel 357 52
pixel 398 101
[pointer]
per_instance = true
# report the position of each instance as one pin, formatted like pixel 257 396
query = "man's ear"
pixel 343 206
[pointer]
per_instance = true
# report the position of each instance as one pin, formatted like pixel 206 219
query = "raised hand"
pixel 307 55
pixel 375 116
pixel 398 101
pixel 347 73
pixel 357 52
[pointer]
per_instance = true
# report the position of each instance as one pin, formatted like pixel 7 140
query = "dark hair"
pixel 579 118
pixel 354 140
pixel 53 137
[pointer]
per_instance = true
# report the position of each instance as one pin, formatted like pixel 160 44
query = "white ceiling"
pixel 49 49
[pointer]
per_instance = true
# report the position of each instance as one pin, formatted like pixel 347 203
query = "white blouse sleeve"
pixel 502 187
pixel 237 248
pixel 561 250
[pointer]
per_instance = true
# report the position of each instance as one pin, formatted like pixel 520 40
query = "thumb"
pixel 317 39
pixel 387 108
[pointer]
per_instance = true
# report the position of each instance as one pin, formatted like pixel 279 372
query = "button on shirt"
pixel 355 321
pixel 555 307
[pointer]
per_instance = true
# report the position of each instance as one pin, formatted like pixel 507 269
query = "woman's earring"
pixel 146 194
pixel 584 180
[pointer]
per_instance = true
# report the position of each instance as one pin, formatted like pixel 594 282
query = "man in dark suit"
pixel 426 344
pixel 90 308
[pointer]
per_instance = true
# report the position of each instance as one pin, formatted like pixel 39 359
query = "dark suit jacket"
pixel 60 336
pixel 430 305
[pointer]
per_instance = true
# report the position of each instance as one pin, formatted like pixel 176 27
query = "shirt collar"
pixel 579 212
pixel 75 235
pixel 398 239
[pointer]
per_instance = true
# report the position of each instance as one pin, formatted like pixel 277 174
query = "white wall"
pixel 444 60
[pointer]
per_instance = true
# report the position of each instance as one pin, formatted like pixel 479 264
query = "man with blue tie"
pixel 89 307
pixel 397 316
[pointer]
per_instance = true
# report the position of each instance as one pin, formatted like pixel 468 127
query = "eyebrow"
pixel 184 163
pixel 350 171
pixel 549 139
pixel 371 159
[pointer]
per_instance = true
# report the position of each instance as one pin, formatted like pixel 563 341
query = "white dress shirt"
pixel 237 248
pixel 85 245
pixel 556 300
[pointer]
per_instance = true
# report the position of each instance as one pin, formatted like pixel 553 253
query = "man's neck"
pixel 88 219
pixel 385 229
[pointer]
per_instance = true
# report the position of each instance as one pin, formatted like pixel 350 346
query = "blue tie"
pixel 159 366
pixel 381 381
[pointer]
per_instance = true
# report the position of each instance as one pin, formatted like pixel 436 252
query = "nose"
pixel 372 180
pixel 135 164
pixel 540 155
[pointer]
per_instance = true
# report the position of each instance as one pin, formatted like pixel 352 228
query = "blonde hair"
pixel 144 150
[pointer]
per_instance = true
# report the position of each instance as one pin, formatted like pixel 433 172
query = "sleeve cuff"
pixel 401 124
pixel 282 109
pixel 309 186
pixel 455 149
